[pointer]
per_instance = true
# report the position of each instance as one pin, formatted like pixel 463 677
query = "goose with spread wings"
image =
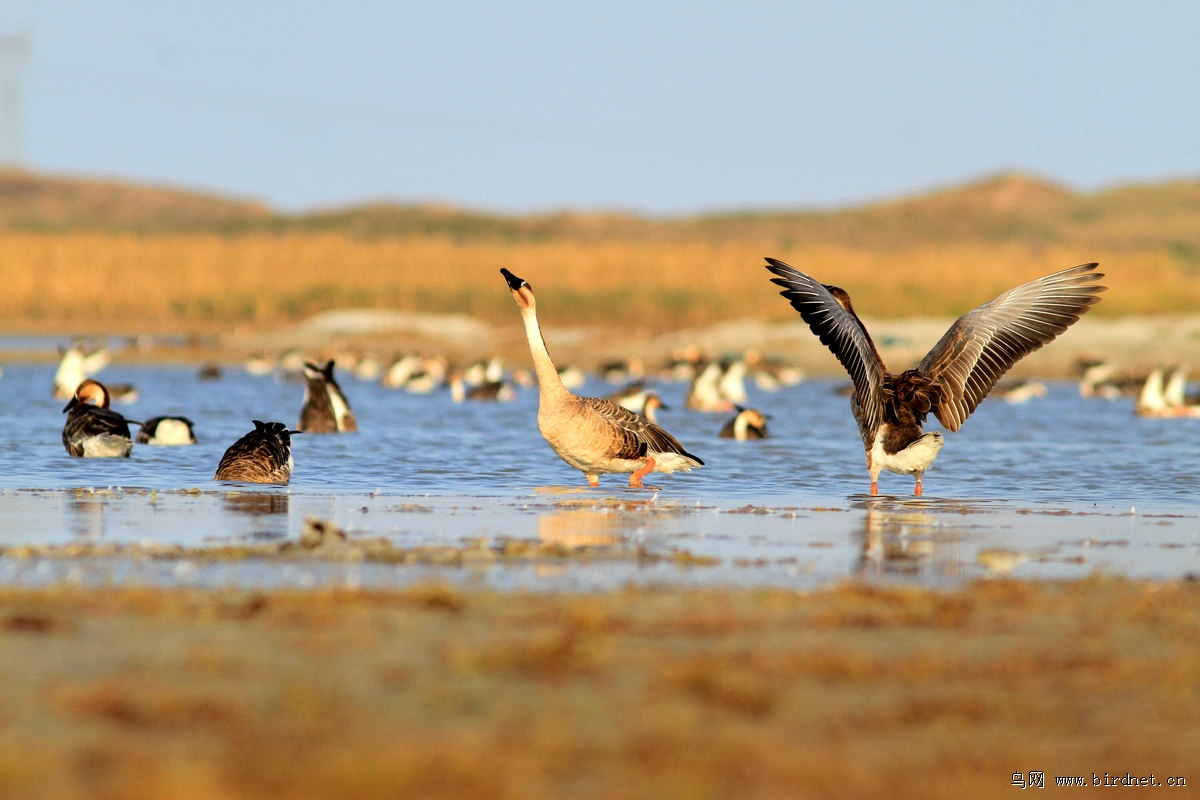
pixel 956 375
pixel 593 435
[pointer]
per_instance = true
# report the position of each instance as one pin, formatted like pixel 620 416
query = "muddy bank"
pixel 436 692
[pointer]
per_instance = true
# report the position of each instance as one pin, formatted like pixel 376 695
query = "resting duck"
pixel 167 431
pixel 593 435
pixel 93 430
pixel 747 424
pixel 264 455
pixel 956 375
pixel 325 408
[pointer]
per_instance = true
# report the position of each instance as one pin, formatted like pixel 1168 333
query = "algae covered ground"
pixel 435 691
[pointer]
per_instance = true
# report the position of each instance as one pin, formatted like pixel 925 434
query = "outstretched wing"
pixel 833 320
pixel 983 344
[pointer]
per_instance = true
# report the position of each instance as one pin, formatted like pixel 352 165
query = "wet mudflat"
pixel 560 538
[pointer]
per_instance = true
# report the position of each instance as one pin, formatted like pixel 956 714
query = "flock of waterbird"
pixel 620 434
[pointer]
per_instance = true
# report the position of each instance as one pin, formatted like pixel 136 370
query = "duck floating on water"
pixel 956 375
pixel 167 431
pixel 748 424
pixel 93 430
pixel 325 408
pixel 264 455
pixel 593 435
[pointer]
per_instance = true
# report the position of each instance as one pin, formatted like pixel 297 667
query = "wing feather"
pixel 983 344
pixel 636 435
pixel 843 333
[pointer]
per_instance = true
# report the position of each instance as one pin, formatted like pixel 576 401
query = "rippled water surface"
pixel 1056 487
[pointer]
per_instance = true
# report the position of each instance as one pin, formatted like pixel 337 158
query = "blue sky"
pixel 655 107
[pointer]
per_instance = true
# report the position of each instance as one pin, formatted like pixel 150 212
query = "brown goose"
pixel 264 455
pixel 593 435
pixel 954 377
pixel 640 400
pixel 93 430
pixel 325 408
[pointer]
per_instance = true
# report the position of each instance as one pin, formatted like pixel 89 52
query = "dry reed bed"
pixel 435 692
pixel 123 281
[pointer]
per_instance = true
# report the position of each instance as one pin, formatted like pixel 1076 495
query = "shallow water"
pixel 1057 487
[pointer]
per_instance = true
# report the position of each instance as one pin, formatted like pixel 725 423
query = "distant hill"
pixel 1007 208
pixel 42 203
pixel 1010 208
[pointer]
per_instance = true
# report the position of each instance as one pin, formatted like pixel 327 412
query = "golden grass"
pixel 436 692
pixel 129 282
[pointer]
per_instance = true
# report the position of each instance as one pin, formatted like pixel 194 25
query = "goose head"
pixel 89 392
pixel 521 290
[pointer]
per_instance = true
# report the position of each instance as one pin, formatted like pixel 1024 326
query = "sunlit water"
pixel 1056 487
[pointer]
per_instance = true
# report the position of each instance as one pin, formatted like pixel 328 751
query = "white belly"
pixel 914 459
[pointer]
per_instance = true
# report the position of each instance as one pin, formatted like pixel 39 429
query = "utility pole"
pixel 14 52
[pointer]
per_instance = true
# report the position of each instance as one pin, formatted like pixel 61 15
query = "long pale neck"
pixel 549 381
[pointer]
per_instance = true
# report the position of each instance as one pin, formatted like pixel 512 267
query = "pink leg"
pixel 635 480
pixel 917 490
pixel 874 487
pixel 593 480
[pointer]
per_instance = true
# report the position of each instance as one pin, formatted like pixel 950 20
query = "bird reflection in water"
pixel 910 543
pixel 87 518
pixel 267 513
pixel 575 530
pixel 578 528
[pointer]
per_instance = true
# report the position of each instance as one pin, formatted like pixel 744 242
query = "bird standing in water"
pixel 591 434
pixel 956 375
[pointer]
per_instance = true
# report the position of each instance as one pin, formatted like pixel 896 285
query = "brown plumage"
pixel 92 429
pixel 956 375
pixel 325 408
pixel 264 455
pixel 591 434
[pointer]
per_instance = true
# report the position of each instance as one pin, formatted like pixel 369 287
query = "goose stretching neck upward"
pixel 956 375
pixel 593 435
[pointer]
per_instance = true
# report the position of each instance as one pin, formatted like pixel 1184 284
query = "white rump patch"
pixel 172 431
pixel 106 445
pixel 672 462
